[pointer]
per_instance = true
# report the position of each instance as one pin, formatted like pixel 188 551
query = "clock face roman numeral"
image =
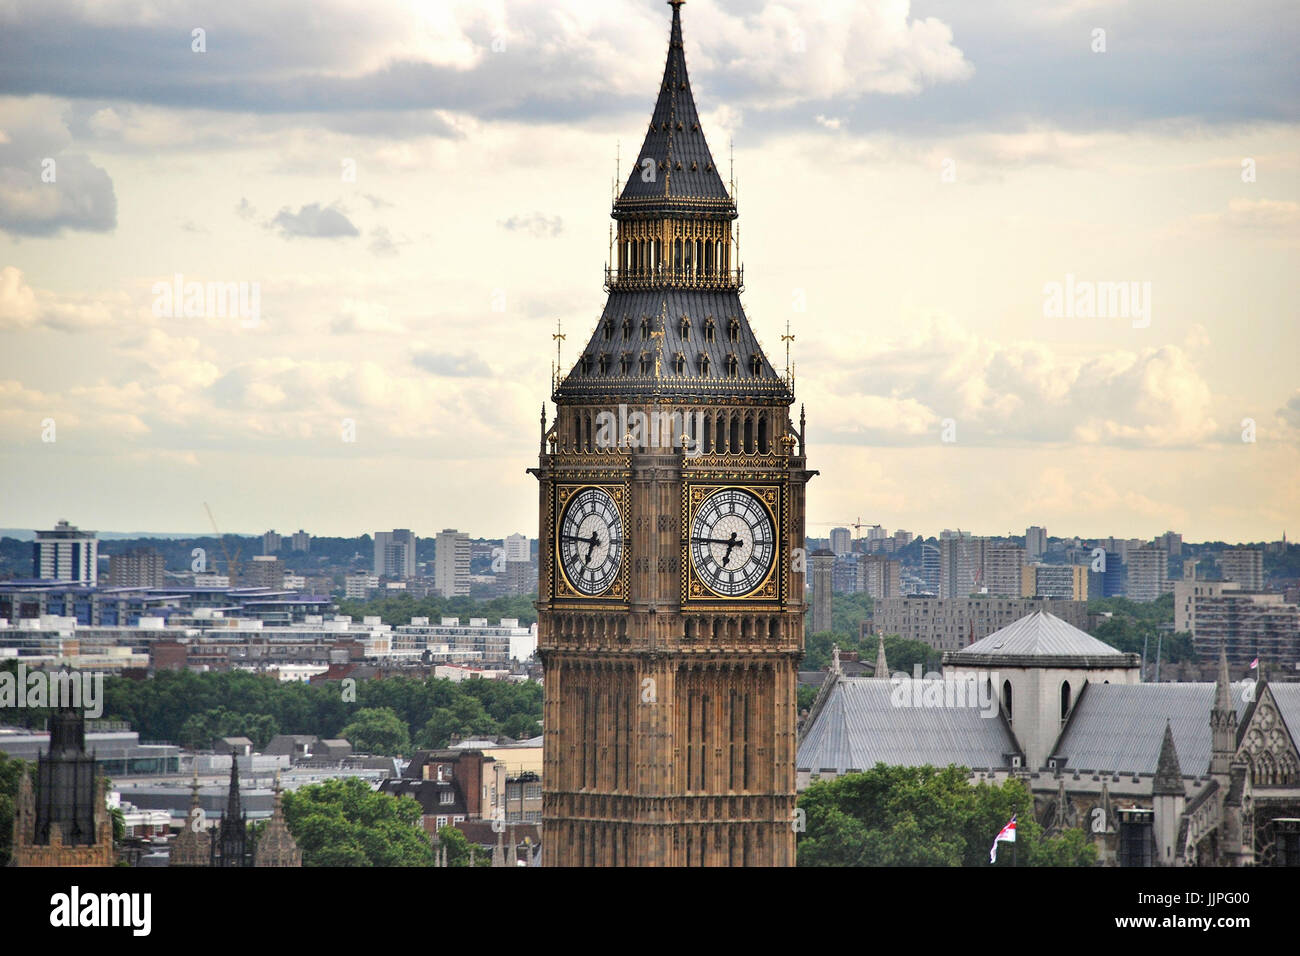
pixel 590 542
pixel 732 544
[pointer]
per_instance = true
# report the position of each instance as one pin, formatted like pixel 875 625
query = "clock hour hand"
pixel 730 541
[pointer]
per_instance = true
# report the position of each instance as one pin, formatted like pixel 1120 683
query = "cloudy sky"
pixel 419 191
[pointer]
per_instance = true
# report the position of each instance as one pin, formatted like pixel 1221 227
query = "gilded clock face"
pixel 590 541
pixel 733 542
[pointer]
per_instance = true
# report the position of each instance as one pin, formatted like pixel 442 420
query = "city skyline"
pixel 483 141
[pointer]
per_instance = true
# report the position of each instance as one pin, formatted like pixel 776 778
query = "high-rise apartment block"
pixel 451 564
pixel 517 548
pixel 1066 582
pixel 271 542
pixel 138 568
pixel 1035 542
pixel 301 541
pixel 823 567
pixel 958 565
pixel 1148 570
pixel 1243 565
pixel 949 624
pixel 879 576
pixel 395 554
pixel 841 540
pixel 1002 564
pixel 264 571
pixel 66 553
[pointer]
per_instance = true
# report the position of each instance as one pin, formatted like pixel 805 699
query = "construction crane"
pixel 858 526
pixel 232 564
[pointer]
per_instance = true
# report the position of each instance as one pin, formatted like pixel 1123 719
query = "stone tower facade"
pixel 67 823
pixel 671 501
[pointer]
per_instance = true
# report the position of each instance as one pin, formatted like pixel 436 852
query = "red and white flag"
pixel 1006 835
pixel 1254 664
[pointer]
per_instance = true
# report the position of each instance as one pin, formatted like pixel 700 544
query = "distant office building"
pixel 264 571
pixel 138 568
pixel 841 541
pixel 1035 542
pixel 823 570
pixel 1110 577
pixel 952 623
pixel 1243 565
pixel 517 548
pixel 879 576
pixel 451 566
pixel 271 543
pixel 930 572
pixel 1066 582
pixel 1148 569
pixel 1002 564
pixel 66 554
pixel 395 554
pixel 301 541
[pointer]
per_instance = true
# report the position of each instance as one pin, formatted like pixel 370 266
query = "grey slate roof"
pixel 663 309
pixel 1287 697
pixel 1119 727
pixel 686 180
pixel 859 726
pixel 1041 635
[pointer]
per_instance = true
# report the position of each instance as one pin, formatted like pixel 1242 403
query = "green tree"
pixel 343 822
pixel 921 816
pixel 378 730
pixel 11 771
pixel 460 850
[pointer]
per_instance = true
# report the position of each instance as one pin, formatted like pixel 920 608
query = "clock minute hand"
pixel 726 558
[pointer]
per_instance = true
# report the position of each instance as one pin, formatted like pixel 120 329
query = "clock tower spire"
pixel 671 591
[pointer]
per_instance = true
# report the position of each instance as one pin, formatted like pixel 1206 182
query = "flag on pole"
pixel 1254 664
pixel 1006 835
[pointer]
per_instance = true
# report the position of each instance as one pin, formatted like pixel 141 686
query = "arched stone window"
pixel 763 443
pixel 1006 699
pixel 1065 699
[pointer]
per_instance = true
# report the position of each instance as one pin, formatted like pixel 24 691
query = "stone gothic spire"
pixel 882 666
pixel 1223 721
pixel 276 846
pixel 193 845
pixel 1169 776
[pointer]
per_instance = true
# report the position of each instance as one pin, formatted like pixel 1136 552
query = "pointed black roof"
pixel 674 342
pixel 681 177
pixel 686 341
pixel 1169 776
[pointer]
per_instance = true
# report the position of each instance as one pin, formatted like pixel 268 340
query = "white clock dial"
pixel 590 541
pixel 733 542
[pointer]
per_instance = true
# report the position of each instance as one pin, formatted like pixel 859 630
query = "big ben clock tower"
pixel 671 591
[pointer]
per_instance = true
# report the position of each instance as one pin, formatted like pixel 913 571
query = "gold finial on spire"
pixel 559 337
